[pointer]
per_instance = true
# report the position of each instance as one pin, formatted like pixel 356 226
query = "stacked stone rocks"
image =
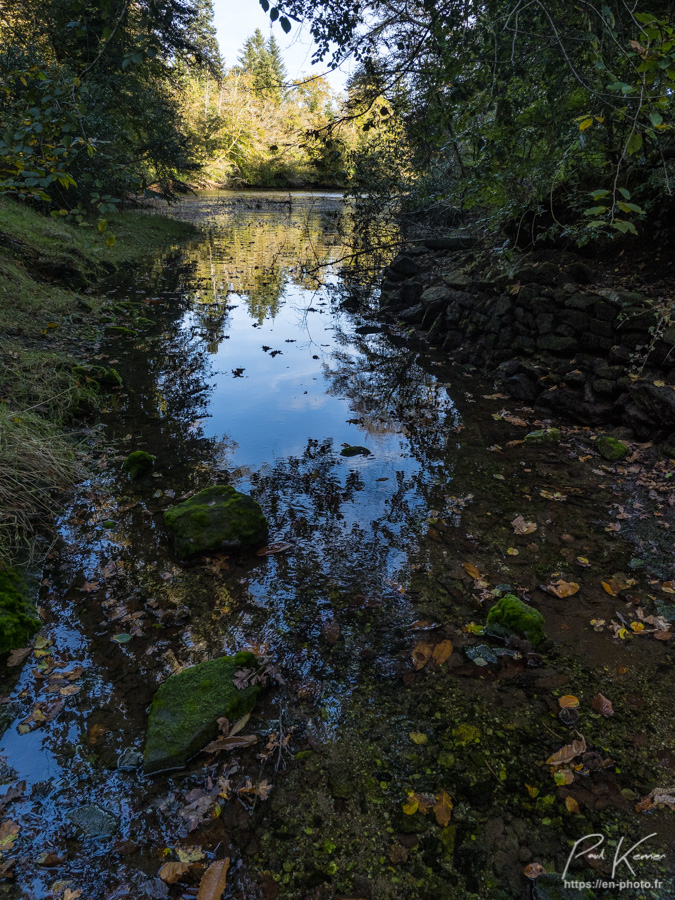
pixel 551 338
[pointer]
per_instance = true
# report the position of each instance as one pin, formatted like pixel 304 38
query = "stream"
pixel 401 752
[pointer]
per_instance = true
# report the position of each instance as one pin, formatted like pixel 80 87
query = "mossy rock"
pixel 611 449
pixel 101 375
pixel 18 619
pixel 217 518
pixel 185 710
pixel 355 451
pixel 511 616
pixel 543 436
pixel 138 464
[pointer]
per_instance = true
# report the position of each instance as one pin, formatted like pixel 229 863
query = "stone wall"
pixel 551 337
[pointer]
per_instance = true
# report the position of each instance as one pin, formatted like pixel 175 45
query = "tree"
pixel 262 61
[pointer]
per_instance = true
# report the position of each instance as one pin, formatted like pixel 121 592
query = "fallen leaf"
pixel 12 793
pixel 443 809
pixel 512 551
pixel 442 652
pixel 657 797
pixel 520 526
pixel 534 870
pixel 668 587
pixel 411 805
pixel 48 858
pixel 571 804
pixel 16 657
pixel 563 588
pixel 567 753
pixel 214 880
pixel 263 789
pixel 69 689
pixel 563 776
pixel 9 832
pixel 90 586
pixel 424 625
pixel 602 705
pixel 568 701
pixel 231 743
pixel 418 737
pixel 553 495
pixel 421 655
pixel 172 872
pixel 96 732
pixel 189 854
pixel 583 561
pixel 270 549
pixel 472 571
pixel 71 895
pixel 239 725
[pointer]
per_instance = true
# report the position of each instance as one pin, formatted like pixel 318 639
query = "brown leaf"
pixel 520 526
pixel 214 880
pixel 472 571
pixel 71 895
pixel 563 588
pixel 443 809
pixel 6 867
pixel 424 625
pixel 278 547
pixel 96 732
pixel 12 793
pixel 421 655
pixel 238 726
pixel 567 753
pixel 442 652
pixel 48 858
pixel 173 871
pixel 534 870
pixel 263 789
pixel 8 834
pixel 16 657
pixel 602 705
pixel 90 586
pixel 231 743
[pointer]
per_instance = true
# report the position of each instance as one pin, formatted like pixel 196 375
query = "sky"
pixel 235 20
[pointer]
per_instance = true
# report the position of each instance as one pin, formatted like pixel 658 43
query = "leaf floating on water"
pixel 567 753
pixel 563 588
pixel 172 872
pixel 16 657
pixel 214 880
pixel 520 526
pixel 617 583
pixel 534 870
pixel 443 809
pixel 270 549
pixel 568 701
pixel 602 705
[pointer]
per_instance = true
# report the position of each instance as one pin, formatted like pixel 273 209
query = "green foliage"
pixel 18 619
pixel 513 114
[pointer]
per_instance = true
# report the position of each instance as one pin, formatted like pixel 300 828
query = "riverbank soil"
pixel 398 748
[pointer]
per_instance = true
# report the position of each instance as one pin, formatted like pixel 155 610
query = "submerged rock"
pixel 355 451
pixel 511 616
pixel 611 449
pixel 184 711
pixel 94 821
pixel 18 618
pixel 138 463
pixel 543 436
pixel 217 518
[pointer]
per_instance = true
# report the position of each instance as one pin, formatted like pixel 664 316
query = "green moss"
pixel 543 436
pixel 511 616
pixel 611 449
pixel 99 374
pixel 355 451
pixel 18 620
pixel 217 518
pixel 184 711
pixel 138 464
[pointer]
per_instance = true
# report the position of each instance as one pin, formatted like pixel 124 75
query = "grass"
pixel 46 324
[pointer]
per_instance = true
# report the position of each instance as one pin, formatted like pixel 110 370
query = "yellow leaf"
pixel 563 776
pixel 472 571
pixel 585 124
pixel 512 551
pixel 637 626
pixel 417 737
pixel 583 561
pixel 412 804
pixel 571 804
pixel 568 701
pixel 532 791
pixel 563 589
pixel 421 655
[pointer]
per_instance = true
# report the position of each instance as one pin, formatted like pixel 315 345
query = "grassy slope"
pixel 45 324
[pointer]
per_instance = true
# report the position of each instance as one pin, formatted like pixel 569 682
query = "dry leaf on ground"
pixel 443 809
pixel 602 705
pixel 442 652
pixel 534 870
pixel 214 880
pixel 563 588
pixel 520 526
pixel 421 655
pixel 173 871
pixel 567 753
pixel 659 796
pixel 568 701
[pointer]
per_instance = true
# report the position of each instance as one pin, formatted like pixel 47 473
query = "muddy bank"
pixel 568 337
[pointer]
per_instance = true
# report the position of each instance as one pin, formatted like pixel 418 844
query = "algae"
pixel 611 449
pixel 138 464
pixel 511 616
